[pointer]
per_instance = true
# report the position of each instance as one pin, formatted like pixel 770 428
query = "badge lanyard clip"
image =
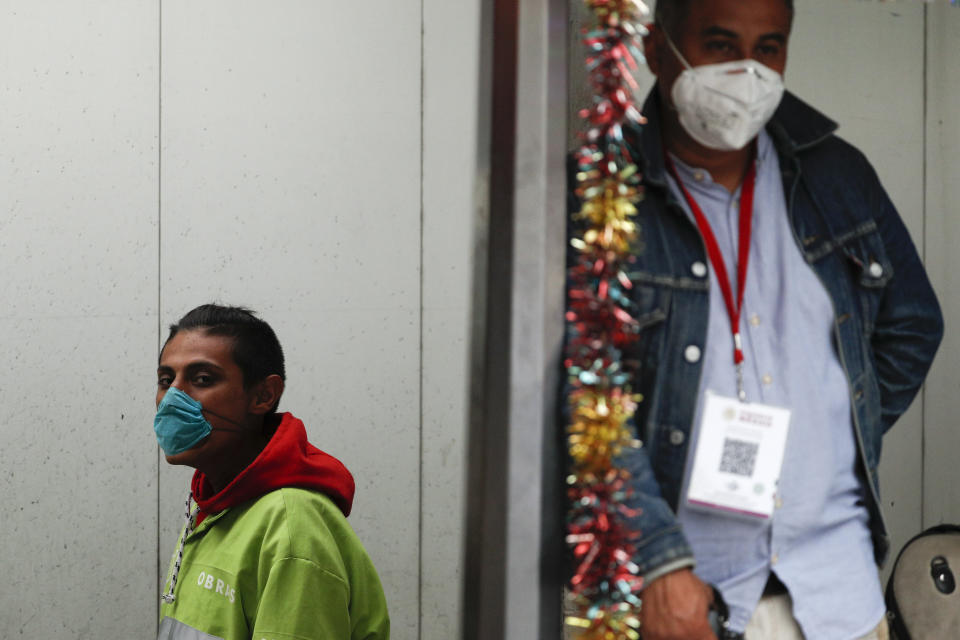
pixel 716 258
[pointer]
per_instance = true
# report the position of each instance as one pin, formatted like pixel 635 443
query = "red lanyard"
pixel 716 258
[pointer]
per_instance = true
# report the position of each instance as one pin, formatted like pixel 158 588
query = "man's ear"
pixel 653 44
pixel 266 394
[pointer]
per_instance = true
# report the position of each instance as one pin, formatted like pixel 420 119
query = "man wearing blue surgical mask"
pixel 265 551
pixel 786 323
pixel 198 386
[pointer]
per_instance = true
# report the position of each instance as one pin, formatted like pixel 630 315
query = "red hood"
pixel 288 460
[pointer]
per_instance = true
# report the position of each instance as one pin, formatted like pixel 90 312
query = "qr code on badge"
pixel 739 457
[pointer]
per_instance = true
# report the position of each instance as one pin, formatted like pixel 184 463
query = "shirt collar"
pixel 697 176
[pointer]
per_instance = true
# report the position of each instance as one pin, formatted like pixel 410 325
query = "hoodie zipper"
pixel 169 597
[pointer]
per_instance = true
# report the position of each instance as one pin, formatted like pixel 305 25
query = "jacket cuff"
pixel 669 567
pixel 663 551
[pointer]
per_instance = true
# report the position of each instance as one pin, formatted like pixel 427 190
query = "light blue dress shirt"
pixel 818 541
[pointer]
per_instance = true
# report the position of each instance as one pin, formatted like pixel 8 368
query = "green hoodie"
pixel 281 566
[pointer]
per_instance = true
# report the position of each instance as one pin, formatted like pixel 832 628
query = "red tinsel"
pixel 603 589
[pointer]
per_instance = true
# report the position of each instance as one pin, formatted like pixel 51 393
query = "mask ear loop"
pixel 749 65
pixel 676 51
pixel 217 415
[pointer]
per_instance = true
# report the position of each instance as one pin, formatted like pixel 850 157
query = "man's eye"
pixel 164 382
pixel 202 380
pixel 768 50
pixel 719 46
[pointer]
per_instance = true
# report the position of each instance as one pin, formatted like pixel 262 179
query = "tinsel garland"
pixel 603 602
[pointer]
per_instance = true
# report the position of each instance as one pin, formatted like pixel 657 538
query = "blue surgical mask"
pixel 179 423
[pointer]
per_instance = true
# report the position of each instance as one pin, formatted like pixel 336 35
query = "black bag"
pixel 923 594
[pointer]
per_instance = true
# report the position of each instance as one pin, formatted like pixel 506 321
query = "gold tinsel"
pixel 599 430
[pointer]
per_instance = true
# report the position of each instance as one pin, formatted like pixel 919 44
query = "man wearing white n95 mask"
pixel 787 322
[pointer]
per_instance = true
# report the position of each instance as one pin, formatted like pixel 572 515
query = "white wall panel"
pixel 941 500
pixel 78 255
pixel 78 478
pixel 450 111
pixel 291 183
pixel 861 63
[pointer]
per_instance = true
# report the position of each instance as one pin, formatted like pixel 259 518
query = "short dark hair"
pixel 669 14
pixel 256 349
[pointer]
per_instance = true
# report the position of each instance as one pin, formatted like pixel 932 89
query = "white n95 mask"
pixel 723 106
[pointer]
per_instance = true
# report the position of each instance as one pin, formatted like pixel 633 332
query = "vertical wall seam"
pixel 923 253
pixel 157 584
pixel 420 506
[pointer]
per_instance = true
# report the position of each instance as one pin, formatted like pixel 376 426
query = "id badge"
pixel 738 459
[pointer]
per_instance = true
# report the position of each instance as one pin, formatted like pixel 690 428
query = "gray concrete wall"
pixel 78 326
pixel 941 407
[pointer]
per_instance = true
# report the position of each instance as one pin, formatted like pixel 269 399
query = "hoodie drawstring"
pixel 168 597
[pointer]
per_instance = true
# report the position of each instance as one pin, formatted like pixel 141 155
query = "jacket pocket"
pixel 868 258
pixel 863 259
pixel 871 270
pixel 641 357
pixel 649 304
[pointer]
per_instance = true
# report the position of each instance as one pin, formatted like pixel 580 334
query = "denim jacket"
pixel 887 321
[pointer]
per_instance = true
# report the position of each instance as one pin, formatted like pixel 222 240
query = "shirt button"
pixel 778 502
pixel 755 320
pixel 767 379
pixel 692 353
pixel 699 269
pixel 677 437
pixel 698 176
pixel 876 269
pixel 774 559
